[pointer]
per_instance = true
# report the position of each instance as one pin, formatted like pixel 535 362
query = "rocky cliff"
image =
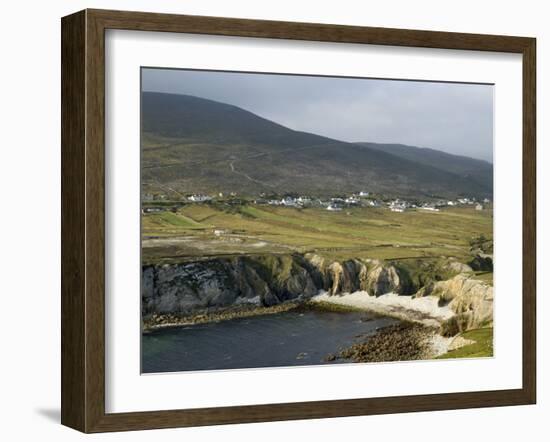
pixel 268 280
pixel 271 279
pixel 470 299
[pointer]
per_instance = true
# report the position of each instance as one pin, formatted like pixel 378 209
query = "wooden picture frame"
pixel 83 220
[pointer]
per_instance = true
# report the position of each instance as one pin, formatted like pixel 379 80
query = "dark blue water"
pixel 283 339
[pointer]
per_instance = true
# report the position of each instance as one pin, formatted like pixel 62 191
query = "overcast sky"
pixel 455 118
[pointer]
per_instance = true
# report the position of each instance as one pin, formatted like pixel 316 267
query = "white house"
pixel 288 201
pixel 199 198
pixel 152 209
pixel 398 206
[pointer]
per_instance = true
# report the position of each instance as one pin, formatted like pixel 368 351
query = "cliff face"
pixel 471 300
pixel 267 280
pixel 263 280
pixel 221 282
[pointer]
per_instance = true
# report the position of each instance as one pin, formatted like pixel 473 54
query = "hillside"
pixel 190 144
pixel 478 170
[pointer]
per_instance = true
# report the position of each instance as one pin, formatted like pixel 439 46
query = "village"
pixel 160 202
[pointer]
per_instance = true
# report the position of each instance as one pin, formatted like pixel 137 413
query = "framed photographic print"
pixel 271 220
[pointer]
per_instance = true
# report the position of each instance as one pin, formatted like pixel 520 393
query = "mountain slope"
pixel 190 144
pixel 185 116
pixel 478 170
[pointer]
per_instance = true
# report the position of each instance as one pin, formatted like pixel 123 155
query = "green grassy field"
pixel 483 346
pixel 215 229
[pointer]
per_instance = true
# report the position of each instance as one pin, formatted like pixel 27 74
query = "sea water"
pixel 284 339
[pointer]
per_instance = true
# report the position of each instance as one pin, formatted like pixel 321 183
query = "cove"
pixel 279 340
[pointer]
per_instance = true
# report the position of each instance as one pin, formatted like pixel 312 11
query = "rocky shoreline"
pixel 157 321
pixel 406 341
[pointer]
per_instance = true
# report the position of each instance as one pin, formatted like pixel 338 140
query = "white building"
pixel 398 205
pixel 152 209
pixel 199 198
pixel 288 201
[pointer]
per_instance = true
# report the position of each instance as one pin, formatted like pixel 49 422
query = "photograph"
pixel 295 220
